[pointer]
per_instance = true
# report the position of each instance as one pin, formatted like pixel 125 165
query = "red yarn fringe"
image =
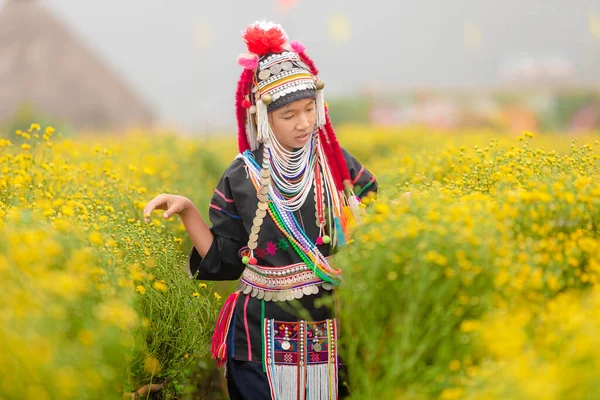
pixel 243 88
pixel 309 63
pixel 337 150
pixel 337 178
pixel 219 339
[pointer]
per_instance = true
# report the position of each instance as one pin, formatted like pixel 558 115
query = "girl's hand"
pixel 172 203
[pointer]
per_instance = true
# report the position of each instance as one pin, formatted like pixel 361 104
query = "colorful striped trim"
pixel 281 82
pixel 277 60
pixel 358 175
pixel 215 207
pixel 366 186
pixel 223 196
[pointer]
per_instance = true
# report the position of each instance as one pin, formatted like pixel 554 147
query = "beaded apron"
pixel 301 359
pixel 280 283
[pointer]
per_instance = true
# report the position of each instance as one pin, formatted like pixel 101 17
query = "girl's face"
pixel 294 123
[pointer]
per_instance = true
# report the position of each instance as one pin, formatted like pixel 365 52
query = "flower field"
pixel 482 285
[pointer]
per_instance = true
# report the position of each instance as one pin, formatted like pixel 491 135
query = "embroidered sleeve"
pixel 221 261
pixel 363 181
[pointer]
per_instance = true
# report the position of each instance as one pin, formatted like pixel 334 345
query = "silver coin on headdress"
pixel 275 69
pixel 264 74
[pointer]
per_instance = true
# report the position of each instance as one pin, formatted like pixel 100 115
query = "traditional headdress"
pixel 276 73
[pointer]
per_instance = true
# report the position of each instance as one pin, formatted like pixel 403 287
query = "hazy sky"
pixel 179 55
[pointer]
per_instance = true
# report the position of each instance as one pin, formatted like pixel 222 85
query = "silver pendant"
pixel 317 347
pixel 285 345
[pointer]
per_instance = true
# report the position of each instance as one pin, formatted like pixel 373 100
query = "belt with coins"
pixel 284 283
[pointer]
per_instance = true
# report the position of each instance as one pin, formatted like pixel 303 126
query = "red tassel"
pixel 309 63
pixel 337 150
pixel 339 185
pixel 219 339
pixel 243 88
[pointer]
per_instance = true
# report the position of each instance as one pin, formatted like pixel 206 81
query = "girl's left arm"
pixel 364 182
pixel 220 261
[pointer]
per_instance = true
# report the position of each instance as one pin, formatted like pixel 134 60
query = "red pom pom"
pixel 319 240
pixel 246 103
pixel 264 38
pixel 252 261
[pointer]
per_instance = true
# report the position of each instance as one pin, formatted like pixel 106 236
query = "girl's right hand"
pixel 172 203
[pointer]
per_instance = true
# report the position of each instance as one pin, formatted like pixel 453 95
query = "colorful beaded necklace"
pixel 274 200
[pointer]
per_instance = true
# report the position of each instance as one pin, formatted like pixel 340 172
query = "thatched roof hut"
pixel 44 65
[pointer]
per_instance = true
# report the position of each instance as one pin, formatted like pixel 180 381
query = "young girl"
pixel 280 210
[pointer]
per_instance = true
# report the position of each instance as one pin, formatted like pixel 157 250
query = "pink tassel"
pixel 248 61
pixel 219 339
pixel 297 46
